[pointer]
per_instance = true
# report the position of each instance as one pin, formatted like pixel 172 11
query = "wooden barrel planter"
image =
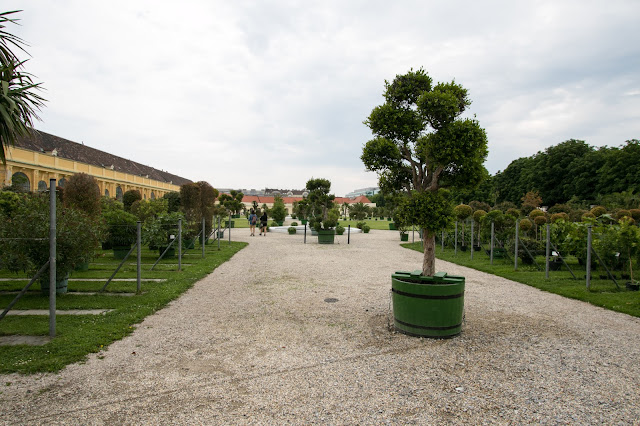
pixel 404 237
pixel 61 284
pixel 326 236
pixel 428 306
pixel 119 252
pixel 392 226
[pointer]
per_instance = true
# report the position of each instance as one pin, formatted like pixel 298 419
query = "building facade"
pixel 37 159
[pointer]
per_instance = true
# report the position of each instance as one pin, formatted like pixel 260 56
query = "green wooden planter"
pixel 428 306
pixel 61 285
pixel 392 226
pixel 326 236
pixel 170 253
pixel 404 237
pixel 226 224
pixel 304 221
pixel 119 252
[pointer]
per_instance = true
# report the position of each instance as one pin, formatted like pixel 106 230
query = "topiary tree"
pixel 421 148
pixel 83 193
pixel 462 212
pixel 477 218
pixel 278 211
pixel 173 200
pixel 129 197
pixel 598 211
pixel 198 201
pixel 321 203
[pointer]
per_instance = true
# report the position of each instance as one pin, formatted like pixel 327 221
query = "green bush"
pixel 366 229
pixel 121 228
pixel 294 223
pixel 291 230
pixel 274 223
pixel 339 229
pixel 360 225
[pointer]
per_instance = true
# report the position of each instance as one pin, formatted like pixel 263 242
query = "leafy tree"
pixel 83 193
pixel 19 99
pixel 422 146
pixel 146 209
pixel 278 211
pixel 173 200
pixel 321 203
pixel 198 201
pixel 129 197
pixel 359 211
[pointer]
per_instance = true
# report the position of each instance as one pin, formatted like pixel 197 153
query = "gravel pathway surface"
pixel 255 342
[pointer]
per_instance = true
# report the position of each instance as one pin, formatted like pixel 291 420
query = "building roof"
pixel 289 200
pixel 46 143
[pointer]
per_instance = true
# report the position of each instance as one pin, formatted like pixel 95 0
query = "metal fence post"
pixel 455 240
pixel 441 240
pixel 179 244
pixel 515 261
pixel 588 257
pixel 472 245
pixel 548 253
pixel 229 228
pixel 139 262
pixel 218 233
pixel 52 257
pixel 204 237
pixel 492 241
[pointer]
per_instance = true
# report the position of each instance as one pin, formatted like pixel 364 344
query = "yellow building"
pixel 40 157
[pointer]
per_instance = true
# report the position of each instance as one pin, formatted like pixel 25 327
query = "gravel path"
pixel 256 343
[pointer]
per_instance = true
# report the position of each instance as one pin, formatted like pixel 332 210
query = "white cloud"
pixel 251 94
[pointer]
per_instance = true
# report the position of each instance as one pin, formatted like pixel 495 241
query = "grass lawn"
pixel 603 292
pixel 77 336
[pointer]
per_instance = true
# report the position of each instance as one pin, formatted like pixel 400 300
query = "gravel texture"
pixel 255 342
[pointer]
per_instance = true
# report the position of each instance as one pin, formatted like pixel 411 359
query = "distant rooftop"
pixel 60 147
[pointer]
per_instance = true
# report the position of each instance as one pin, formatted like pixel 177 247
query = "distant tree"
pixel 359 211
pixel 83 193
pixel 19 100
pixel 278 211
pixel 422 148
pixel 129 197
pixel 173 201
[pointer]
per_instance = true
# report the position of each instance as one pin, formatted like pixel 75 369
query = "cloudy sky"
pixel 249 94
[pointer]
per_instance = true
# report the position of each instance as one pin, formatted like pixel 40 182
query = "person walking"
pixel 263 223
pixel 253 219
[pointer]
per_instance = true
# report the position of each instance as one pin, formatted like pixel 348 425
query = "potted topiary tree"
pixel 462 213
pixel 24 242
pixel 325 218
pixel 121 231
pixel 421 148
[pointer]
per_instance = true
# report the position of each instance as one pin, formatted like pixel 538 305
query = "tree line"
pixel 571 172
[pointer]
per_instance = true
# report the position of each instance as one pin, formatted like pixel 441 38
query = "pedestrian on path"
pixel 253 219
pixel 263 223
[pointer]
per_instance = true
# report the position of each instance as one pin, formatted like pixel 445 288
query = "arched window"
pixel 42 186
pixel 61 182
pixel 119 193
pixel 153 195
pixel 21 182
pixel 106 192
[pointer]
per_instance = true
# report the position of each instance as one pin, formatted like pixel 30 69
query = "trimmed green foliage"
pixel 603 292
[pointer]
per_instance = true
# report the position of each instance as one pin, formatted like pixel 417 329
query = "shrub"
pixel 121 228
pixel 366 229
pixel 635 214
pixel 83 193
pixel 339 229
pixel 526 225
pixel 559 216
pixel 535 213
pixel 598 211
pixel 359 225
pixel 540 220
pixel 294 223
pixel 623 213
pixel 514 213
pixel 130 197
pixel 273 223
pixel 588 215
pixel 478 215
pixel 291 230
